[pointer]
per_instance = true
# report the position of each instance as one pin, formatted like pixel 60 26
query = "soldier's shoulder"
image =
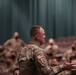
pixel 29 47
pixel 9 40
pixel 33 46
pixel 48 47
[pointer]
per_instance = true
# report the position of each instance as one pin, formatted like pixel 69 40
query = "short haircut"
pixel 35 30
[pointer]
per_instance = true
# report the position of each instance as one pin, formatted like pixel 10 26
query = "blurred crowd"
pixel 56 51
pixel 9 53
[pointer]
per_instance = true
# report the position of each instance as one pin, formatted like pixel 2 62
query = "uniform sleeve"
pixel 22 42
pixel 7 44
pixel 65 55
pixel 42 64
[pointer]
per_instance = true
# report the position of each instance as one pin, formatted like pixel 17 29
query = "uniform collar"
pixel 32 42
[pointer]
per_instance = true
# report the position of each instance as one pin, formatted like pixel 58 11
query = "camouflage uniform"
pixel 67 55
pixel 32 61
pixel 13 43
pixel 67 72
pixel 54 47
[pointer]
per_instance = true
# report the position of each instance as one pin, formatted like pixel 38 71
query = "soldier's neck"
pixel 35 42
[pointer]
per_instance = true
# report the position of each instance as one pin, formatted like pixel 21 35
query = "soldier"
pixel 54 46
pixel 32 60
pixel 72 71
pixel 14 43
pixel 69 53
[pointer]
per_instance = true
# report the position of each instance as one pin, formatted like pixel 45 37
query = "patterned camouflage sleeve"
pixel 23 57
pixel 42 64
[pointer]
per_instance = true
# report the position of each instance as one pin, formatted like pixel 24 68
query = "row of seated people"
pixel 14 72
pixel 55 61
pixel 10 49
pixel 55 57
pixel 9 52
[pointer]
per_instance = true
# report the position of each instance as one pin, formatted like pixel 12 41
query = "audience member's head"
pixel 16 35
pixel 54 61
pixel 50 51
pixel 51 41
pixel 16 71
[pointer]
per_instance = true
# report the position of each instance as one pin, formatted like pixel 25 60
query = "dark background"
pixel 57 16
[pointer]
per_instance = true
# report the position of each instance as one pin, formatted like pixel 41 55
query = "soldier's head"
pixel 49 50
pixel 16 35
pixel 16 71
pixel 54 61
pixel 51 41
pixel 37 34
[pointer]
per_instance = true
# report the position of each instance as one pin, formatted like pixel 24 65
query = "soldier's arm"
pixel 65 56
pixel 7 44
pixel 22 43
pixel 42 64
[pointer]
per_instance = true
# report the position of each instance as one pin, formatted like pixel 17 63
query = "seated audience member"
pixel 55 47
pixel 55 61
pixel 9 64
pixel 69 53
pixel 15 43
pixel 72 71
pixel 49 53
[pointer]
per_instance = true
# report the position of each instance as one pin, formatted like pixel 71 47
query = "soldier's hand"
pixel 68 66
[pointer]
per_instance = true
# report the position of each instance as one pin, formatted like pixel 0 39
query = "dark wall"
pixel 57 16
pixel 14 16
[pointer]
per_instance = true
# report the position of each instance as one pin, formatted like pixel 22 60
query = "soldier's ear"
pixel 37 36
